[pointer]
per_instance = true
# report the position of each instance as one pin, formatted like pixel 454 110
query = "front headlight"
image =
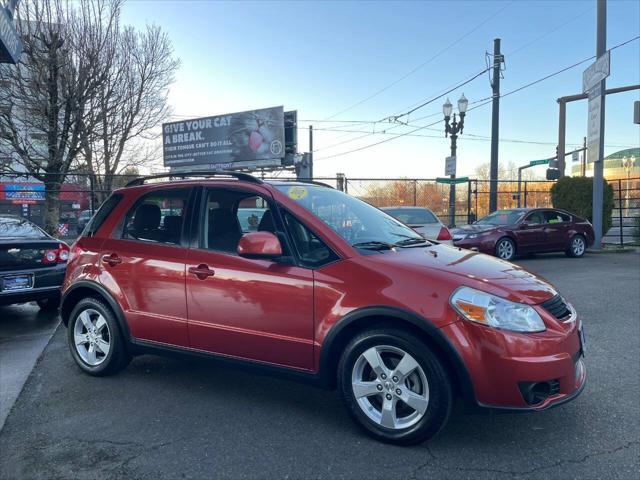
pixel 496 312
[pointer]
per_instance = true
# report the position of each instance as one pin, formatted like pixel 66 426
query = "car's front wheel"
pixel 95 340
pixel 506 249
pixel 394 386
pixel 577 246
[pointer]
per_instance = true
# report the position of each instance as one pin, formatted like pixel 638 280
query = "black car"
pixel 32 263
pixel 83 219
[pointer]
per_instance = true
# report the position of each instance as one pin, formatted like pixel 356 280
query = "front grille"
pixel 557 307
pixel 554 387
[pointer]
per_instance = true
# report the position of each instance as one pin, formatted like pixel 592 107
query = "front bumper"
pixel 477 244
pixel 499 362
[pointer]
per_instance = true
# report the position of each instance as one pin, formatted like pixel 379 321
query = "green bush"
pixel 575 195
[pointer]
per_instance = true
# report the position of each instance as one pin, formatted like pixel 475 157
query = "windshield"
pixel 502 217
pixel 357 222
pixel 19 228
pixel 412 216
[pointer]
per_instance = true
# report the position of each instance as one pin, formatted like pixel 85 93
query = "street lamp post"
pixel 452 129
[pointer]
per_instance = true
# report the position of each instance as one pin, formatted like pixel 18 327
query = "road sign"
pixel 450 166
pixel 575 157
pixel 596 72
pixel 593 125
pixel 533 163
pixel 449 181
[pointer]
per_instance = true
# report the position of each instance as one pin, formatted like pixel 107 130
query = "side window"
pixel 552 217
pixel 311 250
pixel 535 218
pixel 250 212
pixel 158 217
pixel 229 214
pixel 101 215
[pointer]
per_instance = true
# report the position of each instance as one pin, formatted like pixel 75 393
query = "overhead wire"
pixel 423 64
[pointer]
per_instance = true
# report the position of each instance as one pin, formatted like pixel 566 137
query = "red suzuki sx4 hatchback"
pixel 306 281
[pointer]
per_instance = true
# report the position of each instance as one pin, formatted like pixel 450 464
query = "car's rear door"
pixel 556 229
pixel 254 309
pixel 143 265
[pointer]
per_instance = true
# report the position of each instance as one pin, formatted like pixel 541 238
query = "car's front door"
pixel 143 265
pixel 255 309
pixel 529 232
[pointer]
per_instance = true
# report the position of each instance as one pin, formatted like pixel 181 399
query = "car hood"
pixel 475 228
pixel 458 267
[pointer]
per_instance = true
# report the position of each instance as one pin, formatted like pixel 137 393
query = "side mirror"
pixel 259 245
pixel 525 225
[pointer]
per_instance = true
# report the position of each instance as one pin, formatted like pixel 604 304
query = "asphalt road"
pixel 164 418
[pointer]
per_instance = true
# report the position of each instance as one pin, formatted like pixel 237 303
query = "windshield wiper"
pixel 412 241
pixel 374 245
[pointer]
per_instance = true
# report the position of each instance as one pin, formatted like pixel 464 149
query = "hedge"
pixel 575 195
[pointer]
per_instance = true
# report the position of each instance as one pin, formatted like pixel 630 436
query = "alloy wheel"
pixel 505 250
pixel 390 387
pixel 92 338
pixel 577 246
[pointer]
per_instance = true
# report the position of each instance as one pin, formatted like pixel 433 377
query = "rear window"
pixel 19 228
pixel 412 216
pixel 101 215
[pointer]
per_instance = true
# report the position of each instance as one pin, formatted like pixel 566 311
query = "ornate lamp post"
pixel 452 129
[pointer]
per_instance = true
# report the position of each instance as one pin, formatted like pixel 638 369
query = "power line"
pixel 469 136
pixel 448 47
pixel 488 100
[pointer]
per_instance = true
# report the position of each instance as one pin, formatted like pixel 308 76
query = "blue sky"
pixel 322 57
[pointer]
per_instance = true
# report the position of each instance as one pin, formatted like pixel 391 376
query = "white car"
pixel 423 221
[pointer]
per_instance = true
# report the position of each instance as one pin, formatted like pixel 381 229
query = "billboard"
pixel 250 139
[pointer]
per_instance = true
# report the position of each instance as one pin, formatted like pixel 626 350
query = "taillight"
pixel 57 255
pixel 63 253
pixel 444 234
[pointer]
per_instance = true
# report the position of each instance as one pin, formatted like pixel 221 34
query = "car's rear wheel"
pixel 49 304
pixel 577 246
pixel 506 249
pixel 394 386
pixel 95 340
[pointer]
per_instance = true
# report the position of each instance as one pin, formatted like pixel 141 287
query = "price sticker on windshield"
pixel 298 193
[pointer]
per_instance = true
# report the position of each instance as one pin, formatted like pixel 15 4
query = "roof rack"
pixel 216 173
pixel 312 182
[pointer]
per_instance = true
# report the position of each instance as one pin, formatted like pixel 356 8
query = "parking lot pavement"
pixel 24 332
pixel 166 418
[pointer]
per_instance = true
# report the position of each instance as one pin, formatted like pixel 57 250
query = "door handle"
pixel 202 271
pixel 112 259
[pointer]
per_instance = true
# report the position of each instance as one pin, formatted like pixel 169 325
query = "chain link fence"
pixel 80 194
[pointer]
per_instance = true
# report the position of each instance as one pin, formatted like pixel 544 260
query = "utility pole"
pixel 584 156
pixel 310 152
pixel 598 163
pixel 562 126
pixel 495 126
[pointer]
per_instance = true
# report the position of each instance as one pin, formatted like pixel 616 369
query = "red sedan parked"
pixel 325 288
pixel 508 233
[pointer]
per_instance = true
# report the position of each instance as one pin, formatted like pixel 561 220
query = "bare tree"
pixel 131 104
pixel 46 97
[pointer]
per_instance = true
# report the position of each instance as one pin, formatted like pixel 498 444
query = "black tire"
pixel 577 246
pixel 117 358
pixel 504 245
pixel 49 304
pixel 440 392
